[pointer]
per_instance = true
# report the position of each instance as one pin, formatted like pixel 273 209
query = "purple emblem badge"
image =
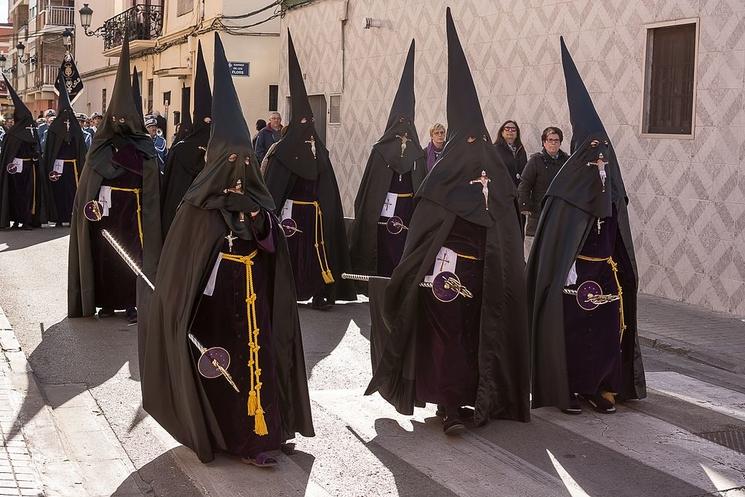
pixel 585 291
pixel 442 288
pixel 289 226
pixel 93 210
pixel 395 225
pixel 217 354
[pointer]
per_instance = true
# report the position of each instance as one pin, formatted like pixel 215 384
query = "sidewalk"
pixel 702 335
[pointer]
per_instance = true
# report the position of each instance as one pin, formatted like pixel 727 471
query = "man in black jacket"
pixel 537 176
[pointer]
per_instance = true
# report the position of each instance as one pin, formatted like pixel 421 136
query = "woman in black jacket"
pixel 510 149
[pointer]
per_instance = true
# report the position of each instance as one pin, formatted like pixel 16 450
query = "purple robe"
pixel 221 320
pixel 390 243
pixel 448 335
pixel 592 337
pixel 115 283
pixel 305 264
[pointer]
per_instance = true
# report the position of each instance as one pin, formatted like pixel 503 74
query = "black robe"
pixel 71 150
pixel 282 182
pixel 173 392
pixel 24 196
pixel 101 170
pixel 561 234
pixel 373 248
pixel 185 160
pixel 502 389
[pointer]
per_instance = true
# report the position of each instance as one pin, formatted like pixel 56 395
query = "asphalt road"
pixel 686 439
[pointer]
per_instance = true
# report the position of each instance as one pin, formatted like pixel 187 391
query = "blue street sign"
pixel 239 68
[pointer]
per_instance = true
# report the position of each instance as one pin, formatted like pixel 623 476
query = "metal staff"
pixel 214 355
pixel 443 281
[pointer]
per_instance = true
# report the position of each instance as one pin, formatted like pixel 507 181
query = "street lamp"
pixel 21 48
pixel 67 39
pixel 86 16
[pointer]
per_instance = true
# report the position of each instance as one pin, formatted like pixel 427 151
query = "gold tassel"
pixel 328 278
pixel 252 403
pixel 260 423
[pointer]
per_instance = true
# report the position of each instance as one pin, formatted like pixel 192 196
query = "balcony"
pixel 55 18
pixel 45 74
pixel 144 23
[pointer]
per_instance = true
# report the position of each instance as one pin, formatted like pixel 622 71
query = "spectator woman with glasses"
pixel 510 149
pixel 535 178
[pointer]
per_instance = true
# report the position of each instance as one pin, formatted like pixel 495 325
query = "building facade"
pixel 37 27
pixel 163 47
pixel 6 36
pixel 666 76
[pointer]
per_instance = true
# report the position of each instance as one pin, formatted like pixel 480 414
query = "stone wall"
pixel 687 195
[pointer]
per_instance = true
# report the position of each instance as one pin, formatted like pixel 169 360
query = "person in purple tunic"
pixel 582 277
pixel 301 179
pixel 437 135
pixel 463 342
pixel 385 199
pixel 225 278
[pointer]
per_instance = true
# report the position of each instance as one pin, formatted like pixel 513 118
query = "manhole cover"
pixel 732 439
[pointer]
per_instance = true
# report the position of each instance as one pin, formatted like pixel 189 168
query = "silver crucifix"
pixel 312 143
pixel 600 163
pixel 404 138
pixel 30 130
pixel 230 238
pixel 484 180
pixel 67 124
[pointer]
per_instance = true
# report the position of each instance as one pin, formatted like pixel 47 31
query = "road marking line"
pixel 572 486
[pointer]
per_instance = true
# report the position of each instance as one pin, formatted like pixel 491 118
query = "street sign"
pixel 239 68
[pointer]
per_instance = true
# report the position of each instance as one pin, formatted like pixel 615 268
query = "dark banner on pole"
pixel 71 77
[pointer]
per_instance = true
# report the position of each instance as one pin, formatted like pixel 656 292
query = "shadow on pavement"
pixel 19 239
pixel 323 330
pixel 82 354
pixel 160 477
pixel 410 481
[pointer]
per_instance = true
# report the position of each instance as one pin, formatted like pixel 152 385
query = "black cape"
pixel 292 159
pixel 384 162
pixel 446 197
pixel 572 205
pixel 17 138
pixel 64 129
pixel 122 126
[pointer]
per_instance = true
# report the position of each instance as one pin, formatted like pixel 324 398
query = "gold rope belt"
pixel 74 168
pixel 319 243
pixel 254 396
pixel 404 195
pixel 136 191
pixel 614 267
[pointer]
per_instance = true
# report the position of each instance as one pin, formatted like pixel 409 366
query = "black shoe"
pixel 26 227
pixel 463 412
pixel 321 303
pixel 600 403
pixel 574 406
pixel 105 312
pixel 131 315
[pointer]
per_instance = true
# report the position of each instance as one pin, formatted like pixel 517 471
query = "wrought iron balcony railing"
pixel 142 22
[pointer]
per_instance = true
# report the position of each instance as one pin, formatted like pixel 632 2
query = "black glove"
pixel 235 202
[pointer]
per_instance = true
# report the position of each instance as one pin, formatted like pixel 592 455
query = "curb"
pixel 687 350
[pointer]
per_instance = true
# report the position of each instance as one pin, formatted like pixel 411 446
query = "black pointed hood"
pixel 202 94
pixel 185 126
pixel 65 125
pixel 582 114
pixel 22 117
pixel 230 157
pixel 580 181
pixel 468 152
pixel 122 116
pixel 400 128
pixel 136 92
pixel 295 150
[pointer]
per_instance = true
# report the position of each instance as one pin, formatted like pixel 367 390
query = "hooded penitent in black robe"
pixel 64 155
pixel 136 93
pixel 24 193
pixel 121 161
pixel 186 158
pixel 212 262
pixel 580 347
pixel 385 200
pixel 471 351
pixel 301 180
pixel 185 126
